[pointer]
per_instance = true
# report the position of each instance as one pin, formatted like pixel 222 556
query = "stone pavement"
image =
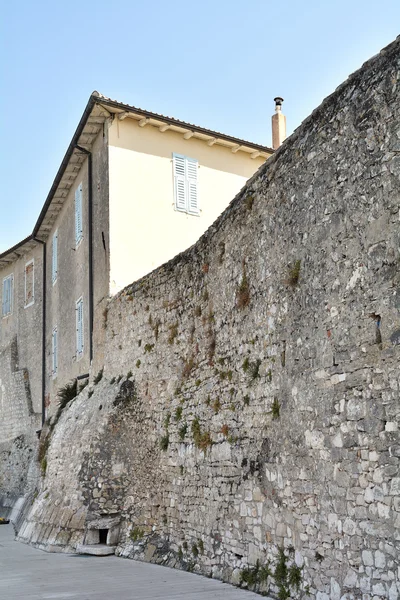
pixel 35 575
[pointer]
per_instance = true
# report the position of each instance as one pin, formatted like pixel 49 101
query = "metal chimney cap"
pixel 278 101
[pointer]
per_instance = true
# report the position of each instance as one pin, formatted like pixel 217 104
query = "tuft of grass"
pixel 167 420
pixel 65 394
pixel 198 382
pixel 164 442
pixel 202 440
pixel 138 363
pixel 98 377
pixel 188 367
pixel 243 291
pixel 200 546
pixel 173 332
pixel 129 374
pixel 255 369
pixel 148 348
pixel 225 430
pixel 294 273
pixel 43 465
pixel 216 406
pixel 182 432
pixel 246 364
pixel 178 413
pixel 136 534
pixel 249 200
pixel 83 385
pixel 195 550
pixel 276 408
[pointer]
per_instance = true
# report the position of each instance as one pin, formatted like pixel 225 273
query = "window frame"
pixel 79 348
pixel 54 258
pixel 10 278
pixel 30 262
pixel 78 211
pixel 189 183
pixel 54 352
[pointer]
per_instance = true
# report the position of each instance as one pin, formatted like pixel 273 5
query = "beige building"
pixel 134 189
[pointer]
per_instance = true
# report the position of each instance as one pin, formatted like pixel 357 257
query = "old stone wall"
pixel 17 430
pixel 246 423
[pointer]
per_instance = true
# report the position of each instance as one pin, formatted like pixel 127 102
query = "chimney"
pixel 278 124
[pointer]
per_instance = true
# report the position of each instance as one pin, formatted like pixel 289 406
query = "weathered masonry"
pixel 134 189
pixel 246 422
pixel 20 369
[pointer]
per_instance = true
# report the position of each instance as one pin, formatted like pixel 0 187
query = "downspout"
pixel 43 331
pixel 90 223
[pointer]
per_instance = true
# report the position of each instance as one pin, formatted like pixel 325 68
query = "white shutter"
pixel 191 172
pixel 7 295
pixel 180 182
pixel 78 214
pixel 79 328
pixel 54 262
pixel 55 351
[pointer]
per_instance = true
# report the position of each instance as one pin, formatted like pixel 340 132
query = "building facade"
pixel 134 189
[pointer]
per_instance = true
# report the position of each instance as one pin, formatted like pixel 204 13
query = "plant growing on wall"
pixel 243 291
pixel 294 273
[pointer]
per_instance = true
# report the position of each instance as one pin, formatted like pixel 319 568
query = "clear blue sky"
pixel 216 63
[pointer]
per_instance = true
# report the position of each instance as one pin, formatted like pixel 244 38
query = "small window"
pixel 29 283
pixel 78 214
pixel 185 184
pixel 7 298
pixel 54 258
pixel 54 352
pixel 79 328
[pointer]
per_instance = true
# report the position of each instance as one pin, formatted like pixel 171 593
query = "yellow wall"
pixel 145 229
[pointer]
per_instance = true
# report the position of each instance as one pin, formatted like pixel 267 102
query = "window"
pixel 54 352
pixel 79 328
pixel 54 258
pixel 8 289
pixel 78 214
pixel 29 284
pixel 185 184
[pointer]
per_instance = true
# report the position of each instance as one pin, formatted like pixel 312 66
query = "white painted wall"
pixel 145 229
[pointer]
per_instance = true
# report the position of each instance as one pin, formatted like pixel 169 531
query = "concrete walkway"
pixel 35 575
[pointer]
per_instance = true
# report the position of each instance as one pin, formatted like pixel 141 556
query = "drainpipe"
pixel 90 223
pixel 43 330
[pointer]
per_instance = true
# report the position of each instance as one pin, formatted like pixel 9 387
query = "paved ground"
pixel 35 575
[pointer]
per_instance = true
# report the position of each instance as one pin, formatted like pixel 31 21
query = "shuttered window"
pixel 7 297
pixel 29 283
pixel 54 351
pixel 185 184
pixel 79 328
pixel 78 214
pixel 54 258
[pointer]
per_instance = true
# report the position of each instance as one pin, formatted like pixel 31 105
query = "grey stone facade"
pixel 249 406
pixel 20 381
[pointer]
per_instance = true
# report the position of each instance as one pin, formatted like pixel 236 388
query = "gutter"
pixel 43 330
pixel 81 125
pixel 90 249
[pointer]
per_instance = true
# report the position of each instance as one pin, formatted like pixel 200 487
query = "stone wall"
pixel 248 412
pixel 17 430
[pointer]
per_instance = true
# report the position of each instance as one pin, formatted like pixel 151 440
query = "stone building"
pixel 134 189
